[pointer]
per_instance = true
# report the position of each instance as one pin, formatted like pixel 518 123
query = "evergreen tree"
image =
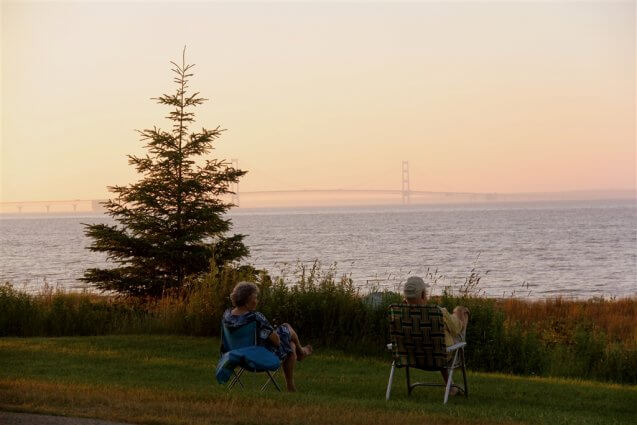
pixel 171 222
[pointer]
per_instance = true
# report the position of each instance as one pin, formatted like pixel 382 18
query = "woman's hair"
pixel 242 293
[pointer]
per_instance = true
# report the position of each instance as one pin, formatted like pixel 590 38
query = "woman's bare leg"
pixel 288 369
pixel 301 351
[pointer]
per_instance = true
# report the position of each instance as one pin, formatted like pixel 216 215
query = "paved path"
pixel 10 418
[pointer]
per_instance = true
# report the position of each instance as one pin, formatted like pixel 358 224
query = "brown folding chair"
pixel 417 340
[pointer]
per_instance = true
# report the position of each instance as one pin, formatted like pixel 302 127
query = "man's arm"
pixel 452 322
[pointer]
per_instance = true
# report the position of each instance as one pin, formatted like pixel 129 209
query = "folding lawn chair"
pixel 240 350
pixel 417 340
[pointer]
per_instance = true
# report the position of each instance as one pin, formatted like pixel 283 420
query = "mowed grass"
pixel 169 380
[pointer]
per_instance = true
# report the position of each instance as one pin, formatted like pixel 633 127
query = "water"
pixel 573 249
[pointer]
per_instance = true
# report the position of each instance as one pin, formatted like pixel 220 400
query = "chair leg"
pixel 236 379
pixel 450 377
pixel 239 378
pixel 464 374
pixel 271 378
pixel 408 381
pixel 449 383
pixel 267 381
pixel 391 380
pixel 233 380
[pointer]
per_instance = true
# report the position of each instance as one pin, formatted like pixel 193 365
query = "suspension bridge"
pixel 404 196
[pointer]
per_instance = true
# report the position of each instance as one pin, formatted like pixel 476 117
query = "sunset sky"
pixel 477 96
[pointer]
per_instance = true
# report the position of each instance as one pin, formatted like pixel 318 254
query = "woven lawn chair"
pixel 240 351
pixel 417 340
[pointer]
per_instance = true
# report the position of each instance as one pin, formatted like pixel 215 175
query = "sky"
pixel 478 96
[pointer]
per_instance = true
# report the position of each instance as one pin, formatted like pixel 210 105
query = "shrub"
pixel 549 337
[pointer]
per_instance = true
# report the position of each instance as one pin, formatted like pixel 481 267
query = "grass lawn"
pixel 169 380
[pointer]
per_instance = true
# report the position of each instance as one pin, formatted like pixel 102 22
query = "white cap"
pixel 414 287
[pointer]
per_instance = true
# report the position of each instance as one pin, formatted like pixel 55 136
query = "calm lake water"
pixel 574 249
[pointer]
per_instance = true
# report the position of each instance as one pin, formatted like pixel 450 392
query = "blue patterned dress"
pixel 264 329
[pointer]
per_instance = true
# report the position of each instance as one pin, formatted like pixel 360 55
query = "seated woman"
pixel 282 340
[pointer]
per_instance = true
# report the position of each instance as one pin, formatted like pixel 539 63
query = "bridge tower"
pixel 405 185
pixel 235 186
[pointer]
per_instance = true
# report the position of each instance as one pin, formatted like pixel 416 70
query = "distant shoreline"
pixel 439 201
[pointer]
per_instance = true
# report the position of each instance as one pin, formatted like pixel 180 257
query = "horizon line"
pixel 379 191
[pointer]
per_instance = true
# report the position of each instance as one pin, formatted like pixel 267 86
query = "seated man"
pixel 415 292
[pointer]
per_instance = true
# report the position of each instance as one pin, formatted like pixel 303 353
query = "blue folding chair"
pixel 239 349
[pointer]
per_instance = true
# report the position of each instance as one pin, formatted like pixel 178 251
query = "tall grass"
pixel 556 320
pixel 54 312
pixel 585 339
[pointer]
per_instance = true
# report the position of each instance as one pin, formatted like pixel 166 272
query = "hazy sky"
pixel 478 96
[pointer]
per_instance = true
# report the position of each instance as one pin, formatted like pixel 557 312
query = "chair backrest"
pixel 417 334
pixel 241 337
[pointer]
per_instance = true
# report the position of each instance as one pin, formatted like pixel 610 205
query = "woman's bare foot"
pixel 304 352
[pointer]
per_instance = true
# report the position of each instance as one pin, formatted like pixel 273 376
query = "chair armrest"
pixel 390 346
pixel 454 347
